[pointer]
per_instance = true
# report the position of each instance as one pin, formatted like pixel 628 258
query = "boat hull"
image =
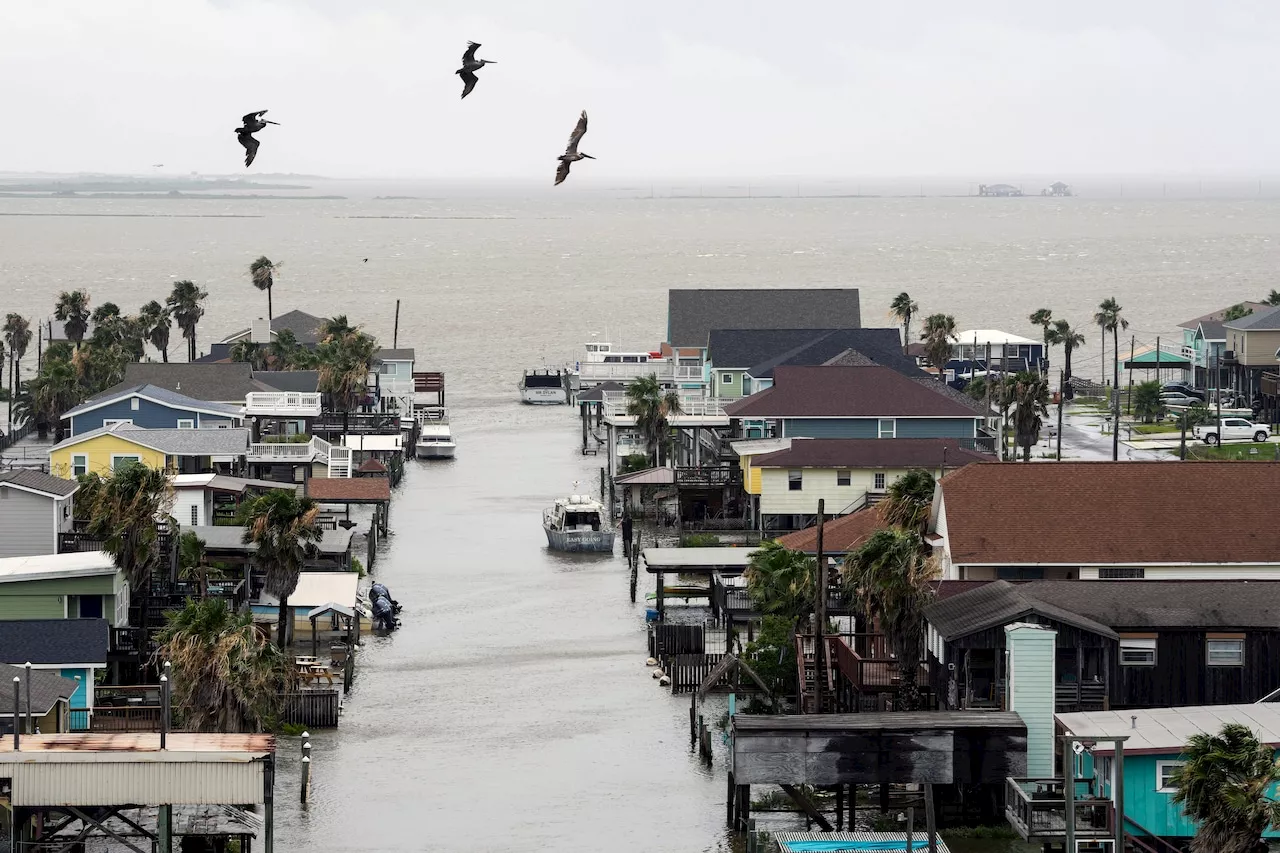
pixel 598 541
pixel 545 396
pixel 435 450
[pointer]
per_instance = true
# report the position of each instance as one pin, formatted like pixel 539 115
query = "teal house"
pixel 1204 341
pixel 1152 752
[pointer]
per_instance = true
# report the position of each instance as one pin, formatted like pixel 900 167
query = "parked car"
pixel 1177 398
pixel 1232 428
pixel 1182 388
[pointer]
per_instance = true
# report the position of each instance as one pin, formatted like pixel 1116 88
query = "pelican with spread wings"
pixel 253 122
pixel 571 154
pixel 470 65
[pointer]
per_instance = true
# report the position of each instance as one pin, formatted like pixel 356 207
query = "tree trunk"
pixel 204 582
pixel 1115 364
pixel 268 307
pixel 282 623
pixel 908 690
pixel 164 353
pixel 906 333
pixel 12 362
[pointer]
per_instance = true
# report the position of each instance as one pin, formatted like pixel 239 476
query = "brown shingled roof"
pixel 339 489
pixel 870 453
pixel 839 536
pixel 1107 513
pixel 847 392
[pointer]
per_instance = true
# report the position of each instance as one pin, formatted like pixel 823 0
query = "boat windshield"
pixel 582 519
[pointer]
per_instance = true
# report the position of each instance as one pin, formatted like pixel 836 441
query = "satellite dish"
pixel 1077 748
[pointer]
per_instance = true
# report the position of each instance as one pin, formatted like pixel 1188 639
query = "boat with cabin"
pixel 435 439
pixel 578 523
pixel 548 386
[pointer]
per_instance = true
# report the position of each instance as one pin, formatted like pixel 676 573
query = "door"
pixel 1237 428
pixel 91 607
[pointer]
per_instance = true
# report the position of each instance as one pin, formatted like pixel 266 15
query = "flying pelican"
pixel 253 122
pixel 470 65
pixel 571 154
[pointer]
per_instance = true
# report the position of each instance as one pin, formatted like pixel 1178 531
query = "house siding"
pixel 1181 676
pixel 148 415
pixel 99 451
pixel 730 390
pixel 830 427
pixel 776 497
pixel 1031 691
pixel 79 699
pixel 937 427
pixel 27 523
pixel 13 608
pixel 1153 809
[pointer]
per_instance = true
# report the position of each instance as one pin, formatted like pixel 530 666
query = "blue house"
pixel 856 402
pixel 72 648
pixel 151 407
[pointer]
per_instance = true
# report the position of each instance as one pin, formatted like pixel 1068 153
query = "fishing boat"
pixel 547 386
pixel 435 440
pixel 578 523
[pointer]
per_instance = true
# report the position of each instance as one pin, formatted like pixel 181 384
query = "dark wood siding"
pixel 1181 675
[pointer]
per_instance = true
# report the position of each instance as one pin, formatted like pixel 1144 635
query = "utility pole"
pixel 1218 426
pixel 1062 401
pixel 820 617
pixel 1128 404
pixel 986 369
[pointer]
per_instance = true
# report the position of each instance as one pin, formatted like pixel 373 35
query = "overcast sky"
pixel 696 88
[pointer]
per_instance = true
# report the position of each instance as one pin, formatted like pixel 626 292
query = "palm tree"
pixel 227 677
pixel 17 334
pixel 908 501
pixel 780 582
pixel 1235 312
pixel 1031 406
pixel 184 304
pixel 285 353
pixel 1069 338
pixel 72 311
pixel 653 408
pixel 334 328
pixel 344 364
pixel 1273 298
pixel 1146 401
pixel 889 577
pixel 54 390
pixel 262 273
pixel 938 333
pixel 282 527
pixel 902 309
pixel 1043 318
pixel 253 354
pixel 1224 786
pixel 192 562
pixel 105 313
pixel 1109 320
pixel 156 325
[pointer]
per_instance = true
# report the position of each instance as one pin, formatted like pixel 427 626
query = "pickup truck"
pixel 1232 428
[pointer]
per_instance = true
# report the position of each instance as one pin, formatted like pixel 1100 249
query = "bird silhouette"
pixel 253 122
pixel 470 65
pixel 571 154
pixel 366 260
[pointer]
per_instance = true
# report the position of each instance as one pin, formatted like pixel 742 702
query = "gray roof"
pixel 302 324
pixel 53 641
pixel 302 381
pixel 596 394
pixel 176 442
pixel 154 392
pixel 38 481
pixel 231 538
pixel 1111 605
pixel 692 314
pixel 400 354
pixel 223 382
pixel 240 484
pixel 1261 320
pixel 759 351
pixel 1001 603
pixel 931 382
pixel 46 689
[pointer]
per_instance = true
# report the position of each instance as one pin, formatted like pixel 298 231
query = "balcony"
pixel 1036 809
pixel 596 372
pixel 282 404
pixel 693 410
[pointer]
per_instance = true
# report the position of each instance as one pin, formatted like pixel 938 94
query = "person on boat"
pixel 626 532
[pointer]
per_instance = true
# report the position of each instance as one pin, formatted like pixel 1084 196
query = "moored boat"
pixel 549 386
pixel 435 440
pixel 578 523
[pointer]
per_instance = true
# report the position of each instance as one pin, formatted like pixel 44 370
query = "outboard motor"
pixel 383 615
pixel 379 590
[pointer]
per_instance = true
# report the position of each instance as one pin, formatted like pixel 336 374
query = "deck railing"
pixel 282 403
pixel 1036 808
pixel 615 405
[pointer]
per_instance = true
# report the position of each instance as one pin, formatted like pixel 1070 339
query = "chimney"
pixel 260 332
pixel 1031 650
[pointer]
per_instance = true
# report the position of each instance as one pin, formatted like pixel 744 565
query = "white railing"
pixel 323 449
pixel 284 452
pixel 395 387
pixel 337 457
pixel 615 405
pixel 596 371
pixel 340 462
pixel 282 403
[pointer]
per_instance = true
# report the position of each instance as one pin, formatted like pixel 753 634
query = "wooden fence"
pixel 687 672
pixel 665 640
pixel 313 708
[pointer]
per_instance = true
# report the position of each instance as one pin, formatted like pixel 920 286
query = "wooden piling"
pixel 395 330
pixel 930 821
pixel 306 768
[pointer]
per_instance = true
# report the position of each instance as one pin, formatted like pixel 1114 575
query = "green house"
pixel 75 585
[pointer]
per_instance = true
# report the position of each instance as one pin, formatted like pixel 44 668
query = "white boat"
pixel 549 386
pixel 435 440
pixel 578 523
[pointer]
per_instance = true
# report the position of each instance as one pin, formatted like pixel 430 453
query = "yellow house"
pixel 176 451
pixel 747 451
pixel 847 474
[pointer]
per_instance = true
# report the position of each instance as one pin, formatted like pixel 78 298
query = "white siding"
pixel 43 782
pixel 184 500
pixel 1031 691
pixel 1195 573
pixel 777 499
pixel 27 523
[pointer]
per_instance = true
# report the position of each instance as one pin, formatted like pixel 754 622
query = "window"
pixel 134 402
pixel 119 460
pixel 107 423
pixel 1011 350
pixel 1164 776
pixel 1121 574
pixel 79 464
pixel 195 516
pixel 186 423
pixel 387 368
pixel 726 378
pixel 878 481
pixel 844 478
pixel 795 480
pixel 1224 652
pixel 1136 651
pixel 888 428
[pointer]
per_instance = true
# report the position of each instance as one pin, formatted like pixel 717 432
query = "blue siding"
pixel 149 415
pixel 936 427
pixel 79 699
pixel 1152 809
pixel 869 427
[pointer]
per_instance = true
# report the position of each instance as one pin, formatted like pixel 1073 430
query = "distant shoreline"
pixel 172 194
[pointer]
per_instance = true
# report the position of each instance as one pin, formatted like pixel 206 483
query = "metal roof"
pixel 647 477
pixel 696 559
pixel 1166 730
pixel 857 842
pixel 888 720
pixel 992 336
pixel 38 481
pixel 756 446
pixel 72 564
pixel 319 590
pixel 377 443
pixel 231 538
pixel 331 607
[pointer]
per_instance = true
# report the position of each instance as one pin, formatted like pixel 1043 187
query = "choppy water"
pixel 512 712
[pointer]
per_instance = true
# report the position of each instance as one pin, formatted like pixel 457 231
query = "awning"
pixel 1147 361
pixel 331 607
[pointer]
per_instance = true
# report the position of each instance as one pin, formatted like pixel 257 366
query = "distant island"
pixel 128 185
pixel 173 194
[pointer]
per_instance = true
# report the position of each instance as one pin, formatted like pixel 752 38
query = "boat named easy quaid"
pixel 578 523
